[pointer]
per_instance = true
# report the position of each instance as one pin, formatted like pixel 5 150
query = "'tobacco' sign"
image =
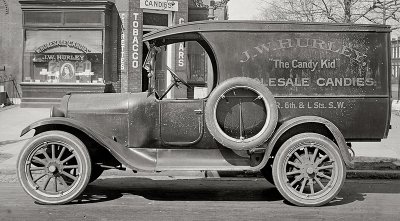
pixel 135 41
pixel 163 5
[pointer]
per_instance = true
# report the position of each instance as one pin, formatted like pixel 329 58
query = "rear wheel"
pixel 308 170
pixel 54 167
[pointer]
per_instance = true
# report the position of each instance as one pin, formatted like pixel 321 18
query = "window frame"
pixel 30 73
pixel 63 23
pixel 207 84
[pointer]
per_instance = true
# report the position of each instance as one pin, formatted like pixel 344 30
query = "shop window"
pixel 67 56
pixel 398 51
pixel 83 17
pixel 43 17
pixel 155 19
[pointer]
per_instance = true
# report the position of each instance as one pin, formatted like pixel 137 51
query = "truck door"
pixel 181 121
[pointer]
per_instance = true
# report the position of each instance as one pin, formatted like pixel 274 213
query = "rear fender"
pixel 339 138
pixel 135 159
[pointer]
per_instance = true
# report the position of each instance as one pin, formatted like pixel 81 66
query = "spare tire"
pixel 241 113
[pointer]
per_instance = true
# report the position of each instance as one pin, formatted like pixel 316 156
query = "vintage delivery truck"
pixel 286 99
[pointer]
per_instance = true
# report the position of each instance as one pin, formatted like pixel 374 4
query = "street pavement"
pixel 373 160
pixel 203 199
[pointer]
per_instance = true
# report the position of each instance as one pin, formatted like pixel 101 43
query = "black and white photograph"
pixel 199 110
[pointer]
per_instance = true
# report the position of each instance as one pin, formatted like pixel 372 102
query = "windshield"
pixel 148 64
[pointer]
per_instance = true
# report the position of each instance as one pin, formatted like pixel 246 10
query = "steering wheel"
pixel 176 82
pixel 177 79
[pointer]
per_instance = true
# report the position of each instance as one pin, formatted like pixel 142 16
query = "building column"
pixel 130 47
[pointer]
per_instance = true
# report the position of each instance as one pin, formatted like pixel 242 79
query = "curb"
pixel 376 163
pixel 373 174
pixel 350 174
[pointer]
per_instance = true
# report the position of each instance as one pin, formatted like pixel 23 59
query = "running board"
pixel 202 159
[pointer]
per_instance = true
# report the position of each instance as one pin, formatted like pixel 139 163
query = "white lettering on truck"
pixel 282 44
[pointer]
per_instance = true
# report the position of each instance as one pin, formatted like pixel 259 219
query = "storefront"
pixel 83 46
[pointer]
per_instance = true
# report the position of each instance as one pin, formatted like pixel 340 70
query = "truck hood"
pixel 97 103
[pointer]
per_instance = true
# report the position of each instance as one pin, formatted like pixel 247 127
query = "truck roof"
pixel 262 26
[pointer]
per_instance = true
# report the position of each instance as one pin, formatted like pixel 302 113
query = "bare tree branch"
pixel 348 11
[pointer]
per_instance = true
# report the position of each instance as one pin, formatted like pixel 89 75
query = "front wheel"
pixel 308 170
pixel 54 167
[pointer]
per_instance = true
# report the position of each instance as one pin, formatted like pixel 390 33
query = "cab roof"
pixel 262 26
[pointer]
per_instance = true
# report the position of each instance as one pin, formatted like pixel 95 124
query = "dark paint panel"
pixel 357 118
pixel 199 159
pixel 130 119
pixel 144 129
pixel 114 126
pixel 314 66
pixel 106 113
pixel 291 63
pixel 181 121
pixel 98 103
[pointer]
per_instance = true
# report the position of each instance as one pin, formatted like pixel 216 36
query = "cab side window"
pixel 191 63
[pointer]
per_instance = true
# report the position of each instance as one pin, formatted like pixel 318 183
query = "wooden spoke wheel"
pixel 54 167
pixel 308 170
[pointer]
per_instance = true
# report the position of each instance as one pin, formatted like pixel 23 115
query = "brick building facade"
pixel 59 46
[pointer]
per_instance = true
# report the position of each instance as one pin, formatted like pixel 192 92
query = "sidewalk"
pixel 12 120
pixel 373 160
pixel 379 159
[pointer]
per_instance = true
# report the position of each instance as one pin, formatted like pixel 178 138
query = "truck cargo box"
pixel 336 71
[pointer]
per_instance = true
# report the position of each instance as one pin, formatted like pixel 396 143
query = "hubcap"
pixel 52 169
pixel 309 170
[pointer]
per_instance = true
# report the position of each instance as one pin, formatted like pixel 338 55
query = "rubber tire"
pixel 82 155
pixel 266 171
pixel 270 104
pixel 283 153
pixel 96 173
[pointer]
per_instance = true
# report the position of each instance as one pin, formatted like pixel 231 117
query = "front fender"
pixel 52 122
pixel 136 159
pixel 341 142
